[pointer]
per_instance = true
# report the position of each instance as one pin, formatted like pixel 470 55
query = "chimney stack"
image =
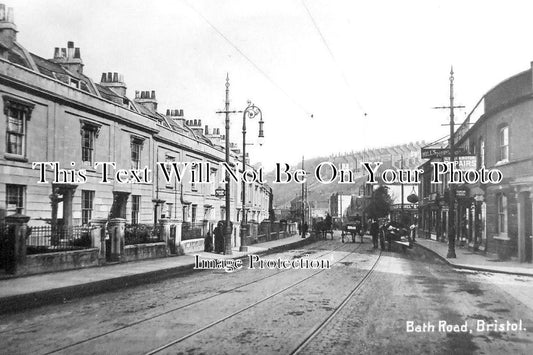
pixel 115 82
pixel 69 57
pixel 8 30
pixel 148 100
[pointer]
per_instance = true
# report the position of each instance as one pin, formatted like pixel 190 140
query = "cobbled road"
pixel 275 311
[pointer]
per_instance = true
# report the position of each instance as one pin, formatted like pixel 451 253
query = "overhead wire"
pixel 339 68
pixel 261 71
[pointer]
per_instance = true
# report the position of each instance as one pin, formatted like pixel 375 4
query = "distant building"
pixel 339 204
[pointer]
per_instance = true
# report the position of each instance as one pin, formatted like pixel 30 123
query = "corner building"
pixel 496 218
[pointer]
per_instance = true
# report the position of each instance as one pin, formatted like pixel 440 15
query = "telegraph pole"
pixel 227 229
pixel 303 203
pixel 451 187
pixel 401 167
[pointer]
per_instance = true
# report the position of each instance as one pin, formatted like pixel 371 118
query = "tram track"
pixel 314 332
pixel 196 302
pixel 241 310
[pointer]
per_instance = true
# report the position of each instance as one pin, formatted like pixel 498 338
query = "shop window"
pixel 501 203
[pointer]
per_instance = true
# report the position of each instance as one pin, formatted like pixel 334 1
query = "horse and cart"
pixel 353 228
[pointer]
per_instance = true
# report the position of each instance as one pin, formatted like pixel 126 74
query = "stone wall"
pixel 192 245
pixel 50 262
pixel 144 251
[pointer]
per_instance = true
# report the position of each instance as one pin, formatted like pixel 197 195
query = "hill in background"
pixel 390 156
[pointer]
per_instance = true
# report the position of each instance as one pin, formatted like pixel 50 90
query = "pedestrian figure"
pixel 219 237
pixel 328 222
pixel 413 232
pixel 208 243
pixel 304 229
pixel 299 228
pixel 374 232
pixel 382 233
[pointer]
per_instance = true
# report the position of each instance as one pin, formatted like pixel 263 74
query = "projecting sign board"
pixel 427 153
pixel 468 162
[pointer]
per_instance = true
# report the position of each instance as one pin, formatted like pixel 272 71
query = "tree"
pixel 380 204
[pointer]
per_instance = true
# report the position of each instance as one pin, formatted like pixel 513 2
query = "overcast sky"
pixel 335 60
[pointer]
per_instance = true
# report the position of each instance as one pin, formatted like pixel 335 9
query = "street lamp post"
pixel 250 112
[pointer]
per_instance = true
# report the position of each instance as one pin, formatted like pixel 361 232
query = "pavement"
pixel 468 259
pixel 18 293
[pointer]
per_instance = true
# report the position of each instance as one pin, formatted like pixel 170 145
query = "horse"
pixel 321 228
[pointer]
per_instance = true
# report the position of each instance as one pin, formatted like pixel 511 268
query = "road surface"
pixel 367 302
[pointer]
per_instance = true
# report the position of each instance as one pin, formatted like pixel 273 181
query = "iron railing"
pixel 192 230
pixel 48 239
pixel 141 234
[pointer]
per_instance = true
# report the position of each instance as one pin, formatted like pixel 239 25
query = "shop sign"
pixel 427 153
pixel 468 162
pixel 461 193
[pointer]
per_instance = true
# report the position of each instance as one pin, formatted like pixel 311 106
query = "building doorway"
pixel 528 227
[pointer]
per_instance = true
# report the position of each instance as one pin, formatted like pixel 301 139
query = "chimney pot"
pixel 206 129
pixel 57 52
pixel 168 112
pixel 2 12
pixel 104 77
pixel 181 112
pixel 70 49
pixel 153 94
pixel 115 77
pixel 136 94
pixel 63 52
pixel 200 123
pixel 109 77
pixel 77 53
pixel 10 16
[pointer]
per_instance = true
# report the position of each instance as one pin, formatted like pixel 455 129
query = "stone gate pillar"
pixel 116 228
pixel 98 237
pixel 17 226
